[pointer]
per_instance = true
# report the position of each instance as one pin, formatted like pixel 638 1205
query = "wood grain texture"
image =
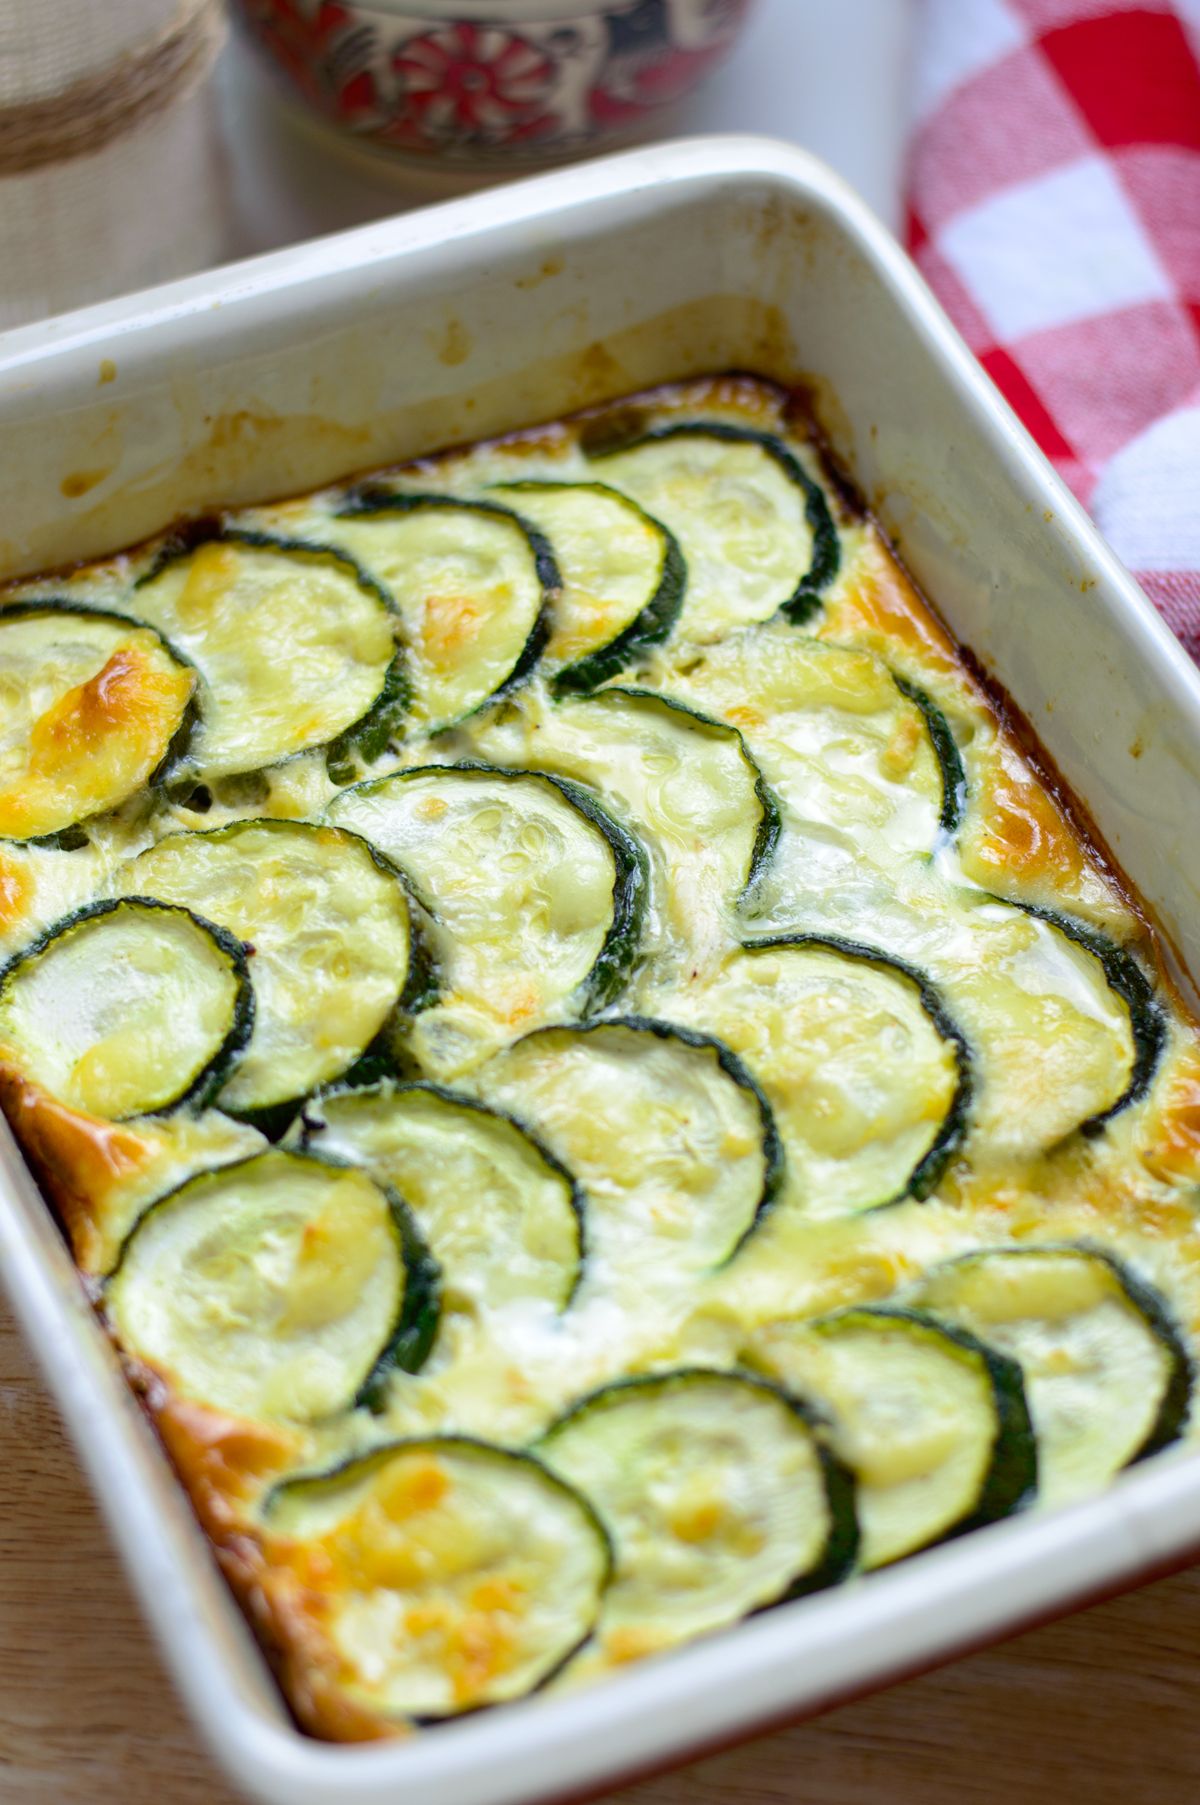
pixel 1102 1706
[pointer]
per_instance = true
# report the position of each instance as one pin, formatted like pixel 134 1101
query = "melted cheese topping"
pixel 465 581
pixel 292 649
pixel 740 520
pixel 433 1581
pixel 1095 1372
pixel 40 884
pixel 716 1498
pixel 120 1014
pixel 330 935
pixel 846 751
pixel 267 1289
pixel 520 884
pixel 88 709
pixel 860 1078
pixel 610 557
pixel 689 792
pixel 667 1145
pixel 449 1576
pixel 913 1418
pixel 499 1217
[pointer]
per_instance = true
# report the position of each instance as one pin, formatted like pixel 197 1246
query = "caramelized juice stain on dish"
pixel 453 343
pixel 80 482
pixel 547 270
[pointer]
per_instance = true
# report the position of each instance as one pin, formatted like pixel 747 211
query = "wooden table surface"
pixel 1104 1706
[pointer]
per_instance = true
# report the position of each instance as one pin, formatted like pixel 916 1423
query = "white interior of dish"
pixel 502 310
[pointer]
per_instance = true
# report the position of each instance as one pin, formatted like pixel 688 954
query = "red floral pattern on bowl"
pixel 473 91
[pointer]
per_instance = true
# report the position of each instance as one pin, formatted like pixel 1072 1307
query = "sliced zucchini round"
pixel 685 783
pixel 623 578
pixel 669 1135
pixel 43 883
pixel 473 583
pixel 294 649
pixel 755 528
pixel 664 1129
pixel 1127 981
pixel 932 1423
pixel 850 755
pixel 127 1008
pixel 504 1217
pixel 1107 1375
pixel 945 746
pixel 445 1574
pixel 146 1158
pixel 867 1073
pixel 280 1287
pixel 537 896
pixel 718 1496
pixel 1066 1026
pixel 92 706
pixel 329 925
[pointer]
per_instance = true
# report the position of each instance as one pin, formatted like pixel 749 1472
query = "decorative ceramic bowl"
pixel 487 84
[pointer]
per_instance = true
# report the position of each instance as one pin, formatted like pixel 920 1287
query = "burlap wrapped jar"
pixel 110 172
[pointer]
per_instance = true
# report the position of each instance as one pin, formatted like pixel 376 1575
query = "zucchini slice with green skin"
pixel 329 924
pixel 685 783
pixel 93 706
pixel 279 1288
pixel 1107 1374
pixel 294 647
pixel 1126 979
pixel 719 1497
pixel 867 1073
pixel 1066 1028
pixel 537 896
pixel 945 746
pixel 42 884
pixel 755 528
pixel 623 577
pixel 473 583
pixel 504 1218
pixel 445 1574
pixel 164 1152
pixel 932 1423
pixel 849 755
pixel 128 1008
pixel 671 1138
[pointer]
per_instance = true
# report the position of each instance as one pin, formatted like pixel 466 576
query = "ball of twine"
pixel 114 100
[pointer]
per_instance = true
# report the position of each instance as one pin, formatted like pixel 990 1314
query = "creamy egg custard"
pixel 591 1079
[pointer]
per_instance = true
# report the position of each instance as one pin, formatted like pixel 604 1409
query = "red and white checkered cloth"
pixel 1055 210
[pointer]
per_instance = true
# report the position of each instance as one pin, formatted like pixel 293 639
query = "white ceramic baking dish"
pixel 492 312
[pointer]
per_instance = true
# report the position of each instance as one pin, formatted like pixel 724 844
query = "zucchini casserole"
pixel 591 1074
